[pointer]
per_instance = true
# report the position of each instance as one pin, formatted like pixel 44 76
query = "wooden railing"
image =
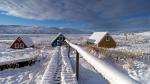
pixel 77 61
pixel 109 72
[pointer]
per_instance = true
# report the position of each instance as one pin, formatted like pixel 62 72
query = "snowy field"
pixel 29 74
pixel 134 42
pixel 138 43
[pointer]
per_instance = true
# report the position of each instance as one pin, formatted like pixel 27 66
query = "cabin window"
pixel 57 42
pixel 16 45
pixel 107 38
pixel 61 38
pixel 21 45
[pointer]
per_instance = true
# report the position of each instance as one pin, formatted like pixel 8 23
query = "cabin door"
pixel 58 43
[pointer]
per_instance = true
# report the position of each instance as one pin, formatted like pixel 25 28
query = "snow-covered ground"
pixel 87 74
pixel 140 71
pixel 135 42
pixel 111 73
pixel 28 74
pixel 10 55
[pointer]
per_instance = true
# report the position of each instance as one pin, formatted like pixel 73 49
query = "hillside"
pixel 19 29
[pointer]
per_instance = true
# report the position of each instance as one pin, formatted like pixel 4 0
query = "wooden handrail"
pixel 113 75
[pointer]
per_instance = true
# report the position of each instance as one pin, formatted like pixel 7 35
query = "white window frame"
pixel 17 45
pixel 57 42
pixel 60 38
pixel 21 45
pixel 107 38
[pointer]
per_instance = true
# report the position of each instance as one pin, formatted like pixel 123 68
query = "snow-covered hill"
pixel 19 29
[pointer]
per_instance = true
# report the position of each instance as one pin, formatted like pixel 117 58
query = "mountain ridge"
pixel 20 29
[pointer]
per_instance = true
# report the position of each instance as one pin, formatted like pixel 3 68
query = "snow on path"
pixel 48 77
pixel 67 74
pixel 59 69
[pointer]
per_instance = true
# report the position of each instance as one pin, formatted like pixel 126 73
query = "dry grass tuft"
pixel 122 57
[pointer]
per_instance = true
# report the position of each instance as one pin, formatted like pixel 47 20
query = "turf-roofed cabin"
pixel 59 40
pixel 102 39
pixel 22 42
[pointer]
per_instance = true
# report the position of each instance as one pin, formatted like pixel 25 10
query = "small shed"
pixel 22 42
pixel 59 40
pixel 102 39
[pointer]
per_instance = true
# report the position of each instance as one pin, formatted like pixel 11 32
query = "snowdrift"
pixel 16 58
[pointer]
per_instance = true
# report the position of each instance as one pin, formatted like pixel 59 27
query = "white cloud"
pixel 98 13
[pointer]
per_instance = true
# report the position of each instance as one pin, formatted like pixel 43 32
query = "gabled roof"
pixel 96 37
pixel 56 37
pixel 27 40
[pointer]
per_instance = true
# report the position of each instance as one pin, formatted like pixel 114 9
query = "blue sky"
pixel 81 14
pixel 13 20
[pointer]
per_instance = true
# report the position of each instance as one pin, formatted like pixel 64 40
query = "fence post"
pixel 77 64
pixel 68 50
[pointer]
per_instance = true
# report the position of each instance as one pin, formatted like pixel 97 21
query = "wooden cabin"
pixel 59 40
pixel 102 39
pixel 22 42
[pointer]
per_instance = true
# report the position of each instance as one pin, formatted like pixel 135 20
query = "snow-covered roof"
pixel 27 40
pixel 96 37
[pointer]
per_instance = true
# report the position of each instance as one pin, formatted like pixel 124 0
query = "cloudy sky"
pixel 82 14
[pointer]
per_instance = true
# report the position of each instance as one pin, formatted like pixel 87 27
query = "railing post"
pixel 68 50
pixel 77 64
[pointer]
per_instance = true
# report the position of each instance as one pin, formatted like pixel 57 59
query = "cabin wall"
pixel 107 43
pixel 18 45
pixel 55 43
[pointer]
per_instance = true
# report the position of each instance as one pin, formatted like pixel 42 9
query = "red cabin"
pixel 22 42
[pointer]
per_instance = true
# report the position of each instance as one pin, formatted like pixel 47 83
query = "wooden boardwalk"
pixel 59 70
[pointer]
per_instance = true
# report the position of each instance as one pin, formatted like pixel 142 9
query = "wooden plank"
pixel 17 64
